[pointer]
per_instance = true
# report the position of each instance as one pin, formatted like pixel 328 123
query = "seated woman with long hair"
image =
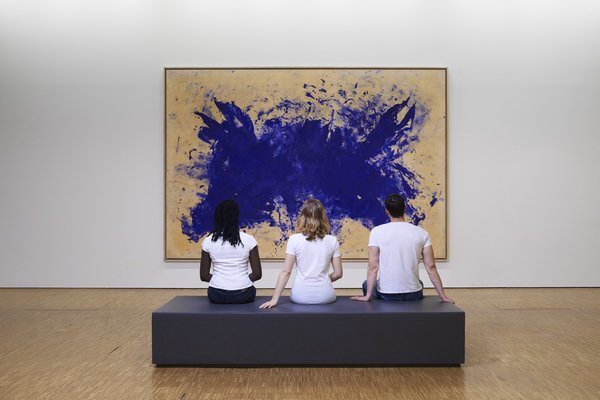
pixel 313 251
pixel 228 250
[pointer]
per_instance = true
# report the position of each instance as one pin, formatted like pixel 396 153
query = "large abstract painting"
pixel 271 138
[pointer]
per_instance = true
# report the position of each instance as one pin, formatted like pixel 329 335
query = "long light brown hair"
pixel 313 222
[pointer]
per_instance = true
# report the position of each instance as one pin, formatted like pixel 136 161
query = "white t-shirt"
pixel 229 263
pixel 313 260
pixel 400 247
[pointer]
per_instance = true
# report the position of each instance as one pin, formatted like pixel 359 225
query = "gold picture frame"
pixel 432 93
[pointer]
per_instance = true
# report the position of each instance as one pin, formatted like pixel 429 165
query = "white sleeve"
pixel 291 248
pixel 336 248
pixel 373 239
pixel 427 239
pixel 206 244
pixel 252 243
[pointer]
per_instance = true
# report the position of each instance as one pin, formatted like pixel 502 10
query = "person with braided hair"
pixel 229 250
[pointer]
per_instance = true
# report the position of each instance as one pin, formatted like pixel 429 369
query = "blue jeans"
pixel 221 296
pixel 418 295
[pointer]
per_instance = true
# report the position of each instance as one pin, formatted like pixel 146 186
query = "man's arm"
pixel 429 261
pixel 255 265
pixel 205 274
pixel 372 270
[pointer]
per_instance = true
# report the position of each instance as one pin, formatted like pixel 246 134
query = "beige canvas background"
pixel 256 90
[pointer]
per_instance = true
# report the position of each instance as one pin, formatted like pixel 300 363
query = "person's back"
pixel 313 260
pixel 229 263
pixel 400 247
pixel 229 250
pixel 395 250
pixel 313 250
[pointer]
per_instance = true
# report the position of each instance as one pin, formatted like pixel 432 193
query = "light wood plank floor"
pixel 95 344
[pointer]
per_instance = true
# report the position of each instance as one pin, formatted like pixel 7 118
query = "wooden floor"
pixel 95 344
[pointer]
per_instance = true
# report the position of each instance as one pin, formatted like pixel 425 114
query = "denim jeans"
pixel 221 296
pixel 418 295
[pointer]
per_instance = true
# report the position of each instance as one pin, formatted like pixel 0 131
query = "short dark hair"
pixel 394 203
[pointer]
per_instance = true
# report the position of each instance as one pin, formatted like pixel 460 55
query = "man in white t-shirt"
pixel 395 250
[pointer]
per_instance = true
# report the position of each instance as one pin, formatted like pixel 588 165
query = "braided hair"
pixel 226 223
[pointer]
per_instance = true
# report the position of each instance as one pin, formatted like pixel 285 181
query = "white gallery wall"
pixel 81 126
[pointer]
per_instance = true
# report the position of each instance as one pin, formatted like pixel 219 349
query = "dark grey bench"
pixel 188 330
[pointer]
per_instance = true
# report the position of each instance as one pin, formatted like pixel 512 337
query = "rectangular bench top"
pixel 199 305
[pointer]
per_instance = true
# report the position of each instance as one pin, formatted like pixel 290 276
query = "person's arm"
pixel 430 267
pixel 372 271
pixel 337 269
pixel 205 274
pixel 282 280
pixel 255 265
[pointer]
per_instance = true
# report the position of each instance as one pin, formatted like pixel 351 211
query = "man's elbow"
pixel 430 267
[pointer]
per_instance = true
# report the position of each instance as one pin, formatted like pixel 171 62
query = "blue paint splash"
pixel 350 162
